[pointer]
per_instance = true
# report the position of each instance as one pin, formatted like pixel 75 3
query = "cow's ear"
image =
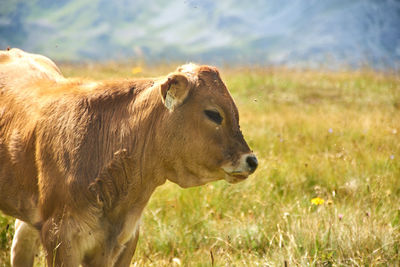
pixel 174 90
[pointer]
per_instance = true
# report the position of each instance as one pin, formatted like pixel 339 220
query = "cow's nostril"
pixel 252 163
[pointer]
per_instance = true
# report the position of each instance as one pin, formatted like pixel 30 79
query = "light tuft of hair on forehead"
pixel 189 68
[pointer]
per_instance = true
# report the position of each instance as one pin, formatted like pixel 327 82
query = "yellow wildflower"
pixel 317 201
pixel 137 70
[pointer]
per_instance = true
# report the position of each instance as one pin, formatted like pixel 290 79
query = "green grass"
pixel 333 135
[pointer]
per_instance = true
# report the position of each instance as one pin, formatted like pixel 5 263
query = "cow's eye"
pixel 214 116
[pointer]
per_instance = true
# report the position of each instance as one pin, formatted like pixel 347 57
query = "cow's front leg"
pixel 125 258
pixel 59 244
pixel 25 244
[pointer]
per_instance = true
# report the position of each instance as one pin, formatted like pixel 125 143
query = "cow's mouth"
pixel 235 177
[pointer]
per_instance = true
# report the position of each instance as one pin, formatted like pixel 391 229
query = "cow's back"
pixel 19 67
pixel 19 71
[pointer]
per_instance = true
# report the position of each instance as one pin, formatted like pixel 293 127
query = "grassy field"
pixel 331 137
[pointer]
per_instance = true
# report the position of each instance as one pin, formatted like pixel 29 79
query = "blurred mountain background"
pixel 312 33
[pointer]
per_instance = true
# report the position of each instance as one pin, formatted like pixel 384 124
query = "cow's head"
pixel 202 127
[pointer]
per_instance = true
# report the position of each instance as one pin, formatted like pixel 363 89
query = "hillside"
pixel 291 32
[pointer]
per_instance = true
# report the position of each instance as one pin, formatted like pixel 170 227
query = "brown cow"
pixel 80 159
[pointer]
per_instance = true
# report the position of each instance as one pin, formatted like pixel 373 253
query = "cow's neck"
pixel 135 171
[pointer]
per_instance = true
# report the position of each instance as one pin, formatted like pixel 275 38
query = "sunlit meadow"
pixel 327 190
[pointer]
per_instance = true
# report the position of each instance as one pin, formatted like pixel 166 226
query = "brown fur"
pixel 80 159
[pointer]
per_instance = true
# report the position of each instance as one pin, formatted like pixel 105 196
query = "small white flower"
pixel 177 261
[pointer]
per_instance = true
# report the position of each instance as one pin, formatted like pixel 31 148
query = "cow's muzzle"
pixel 245 166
